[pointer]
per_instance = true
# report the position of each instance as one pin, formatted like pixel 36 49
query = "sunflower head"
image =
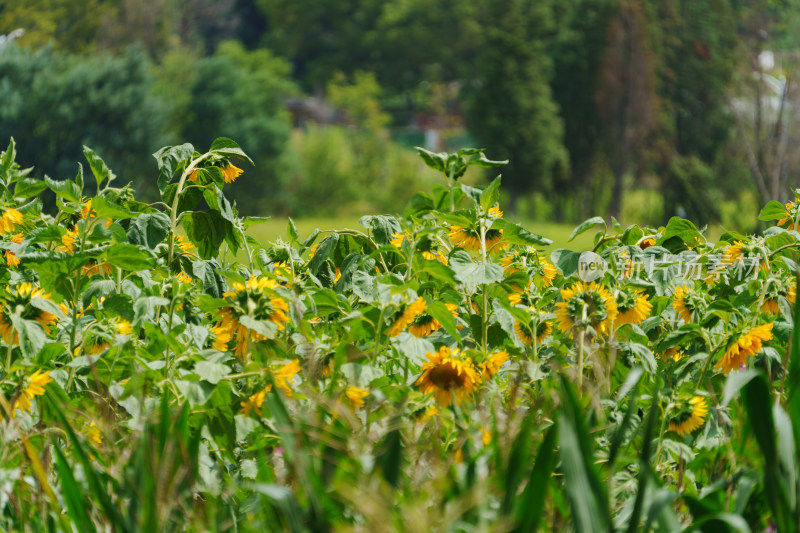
pixel 449 376
pixel 9 219
pixel 792 216
pixel 536 328
pixel 632 305
pixel 586 305
pixel 493 363
pixel 687 414
pixel 688 303
pixel 777 288
pixel 407 315
pixel 747 343
pixel 19 299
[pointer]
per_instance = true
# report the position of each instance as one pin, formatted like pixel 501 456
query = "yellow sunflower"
pixel 9 219
pixel 35 387
pixel 231 172
pixel 285 375
pixel 495 211
pixel 397 239
pixel 791 214
pixel 536 325
pixel 586 305
pixel 746 344
pixel 492 365
pixel 255 299
pixel 424 324
pixel 93 434
pixel 255 401
pixel 435 255
pixel 407 316
pixel 691 415
pixel 11 258
pixel 18 300
pixel 646 243
pixel 632 305
pixel 688 303
pixel 182 244
pixel 355 396
pixel 470 239
pixel 784 288
pixel 68 240
pixel 673 354
pixel 448 376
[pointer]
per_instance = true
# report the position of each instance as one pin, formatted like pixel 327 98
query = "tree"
pixel 54 102
pixel 510 109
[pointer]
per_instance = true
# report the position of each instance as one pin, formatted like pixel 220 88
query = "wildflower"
pixel 36 384
pixel 691 415
pixel 633 306
pixel 356 396
pixel 492 365
pixel 747 344
pixel 586 305
pixel 285 374
pixel 10 217
pixel 447 376
pixel 231 172
pixel 407 316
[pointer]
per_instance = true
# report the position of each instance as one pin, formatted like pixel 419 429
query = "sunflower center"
pixel 447 376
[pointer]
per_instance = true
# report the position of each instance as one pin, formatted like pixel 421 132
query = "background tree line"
pixel 636 108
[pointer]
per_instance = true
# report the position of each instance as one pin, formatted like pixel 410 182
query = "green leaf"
pixel 206 230
pixel 130 257
pixel 169 160
pixel 29 187
pixel 440 312
pixel 98 166
pixel 389 457
pixel 531 504
pixel 148 229
pixel 77 504
pixel 566 260
pixel 514 234
pixel 382 226
pixel 105 208
pixel 262 327
pixel 323 251
pixel 772 211
pixel 682 229
pixel 66 189
pixel 472 274
pixel 211 372
pixel 196 393
pixel 436 161
pixel 586 225
pixel 228 148
pixel 31 335
pixel 291 231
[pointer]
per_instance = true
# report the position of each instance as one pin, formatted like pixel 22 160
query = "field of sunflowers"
pixel 433 371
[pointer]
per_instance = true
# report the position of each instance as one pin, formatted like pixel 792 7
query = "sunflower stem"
pixel 173 215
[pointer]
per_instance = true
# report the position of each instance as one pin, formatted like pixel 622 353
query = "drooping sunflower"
pixel 786 288
pixel 35 387
pixel 586 305
pixel 530 260
pixel 632 305
pixel 448 376
pixel 688 303
pixel 406 315
pixel 231 172
pixel 535 327
pixel 285 375
pixel 493 363
pixel 257 300
pixel 19 300
pixel 424 324
pixel 691 414
pixel 9 218
pixel 11 258
pixel 646 243
pixel 470 239
pixel 747 344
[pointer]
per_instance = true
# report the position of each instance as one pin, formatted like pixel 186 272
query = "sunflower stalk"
pixel 173 215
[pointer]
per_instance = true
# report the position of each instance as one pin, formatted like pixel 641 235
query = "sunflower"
pixel 673 354
pixel 231 172
pixel 18 300
pixel 93 434
pixel 407 316
pixel 448 376
pixel 10 217
pixel 632 305
pixel 424 324
pixel 492 365
pixel 257 300
pixel 692 413
pixel 586 305
pixel 688 303
pixel 495 211
pixel 255 401
pixel 68 240
pixel 747 344
pixel 11 258
pixel 470 239
pixel 355 396
pixel 285 375
pixel 397 239
pixel 525 331
pixel 35 387
pixel 791 214
pixel 182 244
pixel 779 288
pixel 646 243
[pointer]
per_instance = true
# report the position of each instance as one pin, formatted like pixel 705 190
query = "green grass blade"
pixel 77 504
pixel 531 504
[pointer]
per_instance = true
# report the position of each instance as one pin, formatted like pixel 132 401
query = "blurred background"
pixel 640 109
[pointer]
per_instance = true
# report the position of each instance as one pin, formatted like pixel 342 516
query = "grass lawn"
pixel 277 227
